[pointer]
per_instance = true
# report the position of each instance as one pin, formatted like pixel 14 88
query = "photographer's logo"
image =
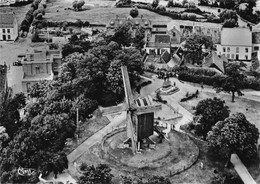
pixel 26 171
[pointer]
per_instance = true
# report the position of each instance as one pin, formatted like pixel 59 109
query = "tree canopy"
pixel 194 48
pixel 234 135
pixel 234 80
pixel 229 17
pixel 87 79
pixel 77 5
pixel 96 175
pixel 209 112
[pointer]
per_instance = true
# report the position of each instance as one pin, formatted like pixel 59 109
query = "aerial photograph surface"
pixel 130 91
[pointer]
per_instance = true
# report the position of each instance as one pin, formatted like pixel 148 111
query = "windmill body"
pixel 140 114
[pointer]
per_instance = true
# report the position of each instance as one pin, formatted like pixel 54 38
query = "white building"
pixel 8 27
pixel 235 44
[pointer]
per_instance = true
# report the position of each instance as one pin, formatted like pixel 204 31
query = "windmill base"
pixel 163 159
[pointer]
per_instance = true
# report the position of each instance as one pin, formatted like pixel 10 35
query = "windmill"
pixel 140 114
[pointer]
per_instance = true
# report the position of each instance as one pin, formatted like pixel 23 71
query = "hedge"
pixel 209 78
pixel 176 15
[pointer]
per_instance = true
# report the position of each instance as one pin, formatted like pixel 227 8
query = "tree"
pixel 98 175
pixel 234 135
pixel 158 180
pixel 75 5
pixel 123 35
pixel 138 39
pixel 226 3
pixel 131 59
pixel 155 3
pixel 170 3
pixel 229 17
pixel 209 112
pixel 230 23
pixel 234 80
pixel 38 89
pixel 134 12
pixel 80 4
pixel 194 45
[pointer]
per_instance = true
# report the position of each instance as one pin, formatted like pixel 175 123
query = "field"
pixel 96 12
pixel 19 11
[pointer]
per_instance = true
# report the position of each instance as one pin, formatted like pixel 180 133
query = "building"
pixel 187 28
pixel 256 38
pixel 3 83
pixel 8 27
pixel 235 44
pixel 162 38
pixel 40 65
pixel 135 22
pixel 212 60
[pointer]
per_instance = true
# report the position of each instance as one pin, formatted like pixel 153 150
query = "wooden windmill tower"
pixel 140 114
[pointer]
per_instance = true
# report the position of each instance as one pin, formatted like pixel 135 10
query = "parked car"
pixel 18 62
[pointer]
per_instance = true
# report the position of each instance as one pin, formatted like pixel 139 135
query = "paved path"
pixel 171 99
pixel 241 170
pixel 97 137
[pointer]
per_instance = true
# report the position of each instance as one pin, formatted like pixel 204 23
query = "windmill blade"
pixel 148 109
pixel 128 92
pixel 113 109
pixel 131 132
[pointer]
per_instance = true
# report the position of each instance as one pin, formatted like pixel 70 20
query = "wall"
pixel 233 52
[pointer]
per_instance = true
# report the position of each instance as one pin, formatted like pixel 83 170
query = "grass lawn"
pixel 248 107
pixel 97 12
pixel 86 130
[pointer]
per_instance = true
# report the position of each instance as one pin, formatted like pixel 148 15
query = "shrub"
pixel 189 96
pixel 145 83
pixel 79 23
pixel 170 3
pixel 86 23
pixel 83 166
pixel 134 12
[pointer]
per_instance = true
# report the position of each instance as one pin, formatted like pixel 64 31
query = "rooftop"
pixel 113 23
pixel 256 28
pixel 6 19
pixel 236 36
pixel 213 60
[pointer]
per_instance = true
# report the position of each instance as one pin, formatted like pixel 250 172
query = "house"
pixel 162 38
pixel 177 58
pixel 235 43
pixel 135 22
pixel 3 83
pixel 8 27
pixel 40 65
pixel 188 28
pixel 212 60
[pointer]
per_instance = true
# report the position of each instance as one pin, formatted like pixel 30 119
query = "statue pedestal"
pixel 168 88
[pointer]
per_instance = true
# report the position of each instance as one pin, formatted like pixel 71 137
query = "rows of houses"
pixel 164 44
pixel 165 39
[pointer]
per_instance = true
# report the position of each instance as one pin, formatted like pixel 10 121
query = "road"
pixel 241 170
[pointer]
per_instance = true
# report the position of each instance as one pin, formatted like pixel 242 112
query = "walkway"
pixel 97 137
pixel 171 99
pixel 241 170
